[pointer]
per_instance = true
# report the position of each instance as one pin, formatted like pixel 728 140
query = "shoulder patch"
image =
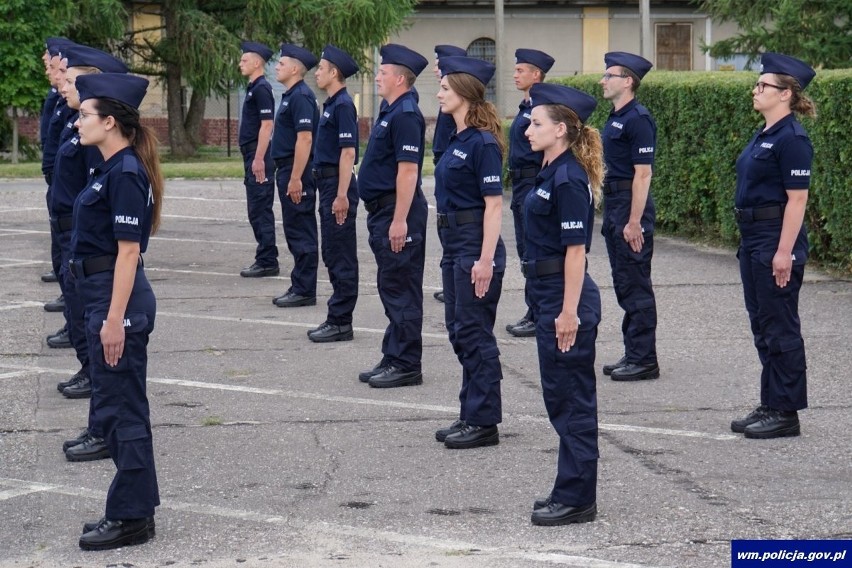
pixel 130 163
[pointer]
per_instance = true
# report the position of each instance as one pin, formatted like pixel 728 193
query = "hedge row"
pixel 703 122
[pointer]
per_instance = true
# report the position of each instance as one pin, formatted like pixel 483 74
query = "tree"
pixel 816 31
pixel 197 45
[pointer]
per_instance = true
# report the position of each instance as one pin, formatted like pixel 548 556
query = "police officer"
pixel 292 152
pixel 444 123
pixel 335 155
pixel 389 183
pixel 468 192
pixel 113 218
pixel 559 214
pixel 74 162
pixel 773 177
pixel 531 66
pixel 629 138
pixel 254 139
pixel 50 101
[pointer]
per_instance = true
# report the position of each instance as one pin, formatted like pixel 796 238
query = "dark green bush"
pixel 703 122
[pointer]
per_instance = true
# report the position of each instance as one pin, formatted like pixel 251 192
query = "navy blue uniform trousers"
pixel 260 198
pixel 569 386
pixel 399 278
pixel 300 231
pixel 119 396
pixel 774 316
pixel 631 278
pixel 470 322
pixel 520 189
pixel 339 249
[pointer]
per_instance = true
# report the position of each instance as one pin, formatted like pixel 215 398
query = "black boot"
pixel 80 389
pixel 111 534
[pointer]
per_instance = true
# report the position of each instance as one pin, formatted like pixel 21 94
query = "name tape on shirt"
pixel 460 154
pixel 618 125
pixel 567 225
pixel 543 194
pixel 305 121
pixel 345 135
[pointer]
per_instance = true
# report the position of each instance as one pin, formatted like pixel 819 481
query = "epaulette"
pixel 408 106
pixel 130 163
pixel 561 175
pixel 798 129
pixel 642 111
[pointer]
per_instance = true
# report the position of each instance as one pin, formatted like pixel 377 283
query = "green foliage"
pixel 817 31
pixel 703 122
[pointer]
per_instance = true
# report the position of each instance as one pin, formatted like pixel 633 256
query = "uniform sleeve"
pixel 575 198
pixel 643 140
pixel 794 158
pixel 347 126
pixel 265 103
pixel 489 169
pixel 407 136
pixel 129 202
pixel 303 109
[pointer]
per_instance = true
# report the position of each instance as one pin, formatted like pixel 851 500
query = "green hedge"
pixel 704 119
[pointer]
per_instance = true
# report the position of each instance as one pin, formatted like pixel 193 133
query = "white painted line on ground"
pixel 13 232
pixel 193 217
pixel 171 197
pixel 13 375
pixel 665 432
pixel 20 305
pixel 23 487
pixel 205 241
pixel 21 209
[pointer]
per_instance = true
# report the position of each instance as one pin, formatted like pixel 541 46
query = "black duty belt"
pixel 616 186
pixel 326 172
pixel 82 268
pixel 284 162
pixel 383 201
pixel 523 173
pixel 751 214
pixel 61 224
pixel 462 217
pixel 539 268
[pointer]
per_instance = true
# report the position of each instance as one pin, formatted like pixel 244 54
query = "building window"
pixel 674 47
pixel 484 48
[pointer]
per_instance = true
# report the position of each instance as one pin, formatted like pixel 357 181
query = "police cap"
pixel 258 48
pixel 786 65
pixel 583 104
pixel 534 57
pixel 395 54
pixel 448 50
pixel 635 63
pixel 341 59
pixel 480 69
pixel 57 46
pixel 307 58
pixel 122 87
pixel 85 56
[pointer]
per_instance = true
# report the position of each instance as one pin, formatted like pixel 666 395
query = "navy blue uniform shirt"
pixel 629 138
pixel 115 206
pixel 46 112
pixel 774 161
pixel 445 125
pixel 259 105
pixel 57 122
pixel 298 113
pixel 560 211
pixel 338 128
pixel 471 168
pixel 398 136
pixel 74 164
pixel 521 154
pixel 68 129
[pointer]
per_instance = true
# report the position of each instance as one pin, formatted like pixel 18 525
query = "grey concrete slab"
pixel 271 453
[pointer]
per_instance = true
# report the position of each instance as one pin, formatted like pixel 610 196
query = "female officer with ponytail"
pixel 114 217
pixel 559 213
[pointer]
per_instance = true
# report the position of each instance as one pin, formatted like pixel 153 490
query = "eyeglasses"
pixel 761 86
pixel 608 76
pixel 84 115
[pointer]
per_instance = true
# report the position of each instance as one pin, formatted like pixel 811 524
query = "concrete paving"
pixel 271 453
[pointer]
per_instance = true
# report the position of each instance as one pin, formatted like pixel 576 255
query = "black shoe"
pixel 439 295
pixel 542 503
pixel 57 305
pixel 774 424
pixel 60 331
pixel 111 534
pixel 80 389
pixel 257 271
pixel 90 526
pixel 78 440
pixel 90 450
pixel 608 369
pixel 59 341
pixel 291 299
pixel 365 376
pixel 471 436
pixel 49 276
pixel 755 415
pixel 392 376
pixel 456 426
pixel 558 514
pixel 634 372
pixel 62 385
pixel 328 332
pixel 523 328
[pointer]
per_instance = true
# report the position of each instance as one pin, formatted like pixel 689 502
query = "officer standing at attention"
pixel 531 66
pixel 113 220
pixel 468 191
pixel 292 152
pixel 773 177
pixel 629 138
pixel 254 139
pixel 559 214
pixel 50 101
pixel 444 123
pixel 389 183
pixel 335 156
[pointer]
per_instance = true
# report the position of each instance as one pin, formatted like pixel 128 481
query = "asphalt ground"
pixel 270 452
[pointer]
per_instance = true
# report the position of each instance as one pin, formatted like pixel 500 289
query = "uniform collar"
pixel 549 170
pixel 626 108
pixel 466 134
pixel 778 125
pixel 252 84
pixel 526 104
pixel 114 159
pixel 334 97
pixel 404 96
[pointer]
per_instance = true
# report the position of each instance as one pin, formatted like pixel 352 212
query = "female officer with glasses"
pixel 773 176
pixel 114 217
